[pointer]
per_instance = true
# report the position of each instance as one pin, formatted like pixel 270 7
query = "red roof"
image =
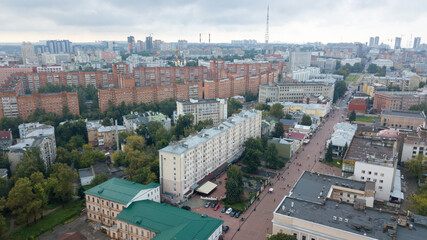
pixel 358 101
pixel 5 135
pixel 295 135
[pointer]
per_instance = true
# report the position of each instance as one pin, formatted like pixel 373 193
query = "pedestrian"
pixel 274 200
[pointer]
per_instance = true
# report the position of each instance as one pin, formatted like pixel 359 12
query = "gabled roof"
pixel 119 190
pixel 169 222
pixel 5 135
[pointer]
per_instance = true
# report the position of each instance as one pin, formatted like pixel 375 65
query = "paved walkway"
pixel 258 217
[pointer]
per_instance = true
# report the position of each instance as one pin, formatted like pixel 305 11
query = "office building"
pixel 371 42
pixel 377 41
pixel 402 119
pixel 184 165
pixel 399 101
pixel 34 135
pixel 133 120
pixel 131 44
pixel 417 42
pixel 299 59
pixel 294 91
pixel 397 43
pixel 149 43
pixel 205 109
pixel 304 74
pixel 107 200
pixel 326 207
pixel 28 54
pixel 59 46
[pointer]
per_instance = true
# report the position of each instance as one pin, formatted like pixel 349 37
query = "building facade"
pixel 402 119
pixel 399 101
pixel 215 109
pixel 293 92
pixel 185 163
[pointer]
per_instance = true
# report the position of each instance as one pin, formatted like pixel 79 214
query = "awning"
pixel 206 188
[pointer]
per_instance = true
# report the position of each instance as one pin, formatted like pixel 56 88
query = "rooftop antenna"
pixel 266 30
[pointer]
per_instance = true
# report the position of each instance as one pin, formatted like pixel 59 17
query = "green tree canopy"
pixel 271 157
pixel 61 181
pixel 183 123
pixel 233 106
pixel 31 163
pixel 277 111
pixel 416 166
pixel 306 120
pixel 98 179
pixel 21 200
pixel 278 130
pixel 352 116
pixel 282 236
pixel 288 116
pixel 329 154
pixel 234 185
pixel 340 89
pixel 252 160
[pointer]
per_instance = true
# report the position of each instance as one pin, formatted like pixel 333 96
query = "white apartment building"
pixel 294 92
pixel 304 74
pixel 382 173
pixel 299 59
pixel 185 163
pixel 204 109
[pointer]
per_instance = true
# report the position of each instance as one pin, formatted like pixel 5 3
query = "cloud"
pixel 290 20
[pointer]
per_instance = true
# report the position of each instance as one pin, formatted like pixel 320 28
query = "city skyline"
pixel 290 21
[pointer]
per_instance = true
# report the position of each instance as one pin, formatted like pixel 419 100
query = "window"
pixel 375 173
pixel 380 188
pixel 296 235
pixel 363 171
pixel 381 181
pixel 363 178
pixel 369 172
pixel 382 174
pixel 303 238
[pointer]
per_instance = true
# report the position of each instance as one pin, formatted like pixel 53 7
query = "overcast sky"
pixel 292 21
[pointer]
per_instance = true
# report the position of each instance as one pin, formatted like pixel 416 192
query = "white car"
pixel 402 177
pixel 229 211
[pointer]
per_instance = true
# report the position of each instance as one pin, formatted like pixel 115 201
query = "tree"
pixel 352 117
pixel 282 236
pixel 38 183
pixel 89 156
pixel 61 180
pixel 76 142
pixel 372 68
pixel 106 122
pixel 3 226
pixel 278 130
pixel 249 96
pixel 184 122
pixel 416 166
pixel 234 185
pixel 4 187
pixel 135 142
pixel 251 159
pixel 306 120
pixel 271 157
pixel 98 179
pixel 419 107
pixel 144 176
pixel 277 111
pixel 233 106
pixel 20 200
pixel 204 124
pixel 418 201
pixel 253 143
pixel 288 116
pixel 339 90
pixel 329 153
pixel 31 162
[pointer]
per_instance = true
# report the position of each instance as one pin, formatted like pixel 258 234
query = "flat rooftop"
pixel 377 148
pixel 407 114
pixel 310 185
pixel 344 217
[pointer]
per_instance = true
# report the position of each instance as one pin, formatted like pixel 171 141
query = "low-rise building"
pixel 152 220
pixel 5 140
pixel 327 207
pixel 319 110
pixel 343 134
pixel 358 105
pixel 205 109
pixel 106 201
pixel 103 136
pixel 133 120
pixel 412 144
pixel 399 101
pixel 402 119
pixel 286 147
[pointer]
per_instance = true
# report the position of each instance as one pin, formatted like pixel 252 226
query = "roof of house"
pixel 5 135
pixel 119 190
pixel 407 114
pixel 288 121
pixel 295 135
pixel 169 222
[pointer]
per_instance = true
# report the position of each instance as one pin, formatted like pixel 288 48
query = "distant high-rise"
pixel 299 59
pixel 28 53
pixel 371 41
pixel 397 43
pixel 131 44
pixel 266 30
pixel 377 41
pixel 182 44
pixel 417 42
pixel 59 46
pixel 140 46
pixel 149 43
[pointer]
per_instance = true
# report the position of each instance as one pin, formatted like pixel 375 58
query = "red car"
pixel 216 207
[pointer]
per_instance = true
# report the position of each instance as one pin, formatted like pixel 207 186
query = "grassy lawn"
pixel 238 206
pixel 49 221
pixel 367 119
pixel 352 78
pixel 334 163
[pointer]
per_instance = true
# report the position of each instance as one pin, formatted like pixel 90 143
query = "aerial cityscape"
pixel 280 120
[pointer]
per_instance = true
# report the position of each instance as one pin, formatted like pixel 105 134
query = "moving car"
pixel 207 204
pixel 224 209
pixel 229 211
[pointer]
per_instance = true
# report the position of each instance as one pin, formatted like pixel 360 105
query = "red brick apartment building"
pixel 399 101
pixel 13 102
pixel 358 105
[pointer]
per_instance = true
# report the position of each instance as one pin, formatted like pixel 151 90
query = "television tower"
pixel 266 30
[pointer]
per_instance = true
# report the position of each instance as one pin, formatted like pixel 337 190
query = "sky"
pixel 291 21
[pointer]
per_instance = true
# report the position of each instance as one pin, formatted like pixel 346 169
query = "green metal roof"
pixel 170 223
pixel 119 190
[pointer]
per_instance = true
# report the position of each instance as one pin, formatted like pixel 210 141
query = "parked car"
pixel 402 177
pixel 229 211
pixel 225 228
pixel 207 204
pixel 232 213
pixel 186 208
pixel 224 209
pixel 216 207
pixel 237 215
